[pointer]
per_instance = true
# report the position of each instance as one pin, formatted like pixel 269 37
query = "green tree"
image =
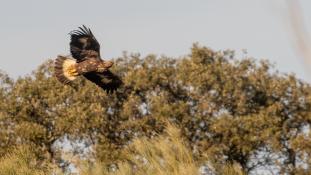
pixel 231 111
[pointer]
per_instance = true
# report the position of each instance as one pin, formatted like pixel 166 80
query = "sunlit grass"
pixel 20 161
pixel 166 154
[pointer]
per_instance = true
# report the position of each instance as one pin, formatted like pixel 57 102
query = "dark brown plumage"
pixel 83 44
pixel 86 61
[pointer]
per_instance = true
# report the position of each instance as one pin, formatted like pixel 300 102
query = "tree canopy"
pixel 230 110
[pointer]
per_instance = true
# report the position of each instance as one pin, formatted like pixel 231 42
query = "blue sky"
pixel 34 30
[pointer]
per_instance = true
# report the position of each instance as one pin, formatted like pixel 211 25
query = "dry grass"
pixel 21 161
pixel 167 154
pixel 234 169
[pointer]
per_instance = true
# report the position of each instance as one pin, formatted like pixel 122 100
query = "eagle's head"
pixel 104 65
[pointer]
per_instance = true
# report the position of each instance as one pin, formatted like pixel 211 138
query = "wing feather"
pixel 105 80
pixel 83 44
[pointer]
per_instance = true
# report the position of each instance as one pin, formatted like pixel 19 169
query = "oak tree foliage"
pixel 230 110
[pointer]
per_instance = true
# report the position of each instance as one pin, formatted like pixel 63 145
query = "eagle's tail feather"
pixel 65 70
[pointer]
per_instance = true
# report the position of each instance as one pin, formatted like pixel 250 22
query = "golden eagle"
pixel 86 61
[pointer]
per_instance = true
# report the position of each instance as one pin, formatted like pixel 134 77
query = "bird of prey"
pixel 86 61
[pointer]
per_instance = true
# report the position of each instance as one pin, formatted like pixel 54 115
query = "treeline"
pixel 231 112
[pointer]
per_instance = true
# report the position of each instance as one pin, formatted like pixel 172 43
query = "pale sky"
pixel 32 31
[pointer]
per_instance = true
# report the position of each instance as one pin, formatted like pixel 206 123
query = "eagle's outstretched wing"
pixel 83 44
pixel 106 80
pixel 84 49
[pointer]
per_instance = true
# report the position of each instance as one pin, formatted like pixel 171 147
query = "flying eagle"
pixel 86 61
